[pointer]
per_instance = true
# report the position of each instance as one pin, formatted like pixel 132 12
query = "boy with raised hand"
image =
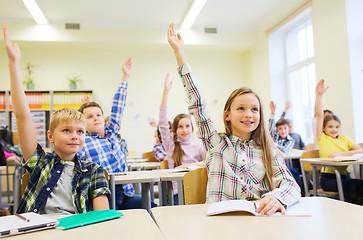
pixel 60 182
pixel 102 145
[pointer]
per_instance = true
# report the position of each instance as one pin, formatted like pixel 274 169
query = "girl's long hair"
pixel 260 135
pixel 178 152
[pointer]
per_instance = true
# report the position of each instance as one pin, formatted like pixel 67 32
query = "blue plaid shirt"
pixel 159 152
pixel 45 169
pixel 284 144
pixel 108 151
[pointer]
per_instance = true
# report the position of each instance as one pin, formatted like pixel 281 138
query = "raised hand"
pixel 320 88
pixel 175 40
pixel 167 83
pixel 13 51
pixel 126 69
pixel 287 105
pixel 272 107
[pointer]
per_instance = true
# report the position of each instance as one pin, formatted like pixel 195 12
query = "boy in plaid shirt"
pixel 59 182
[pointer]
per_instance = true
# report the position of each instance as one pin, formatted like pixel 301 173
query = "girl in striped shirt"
pixel 241 162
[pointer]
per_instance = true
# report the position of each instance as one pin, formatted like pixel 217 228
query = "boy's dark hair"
pixel 282 122
pixel 328 111
pixel 6 135
pixel 89 104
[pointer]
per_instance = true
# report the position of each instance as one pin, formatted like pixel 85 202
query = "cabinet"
pixel 41 104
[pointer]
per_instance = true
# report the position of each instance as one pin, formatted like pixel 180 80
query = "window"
pixel 292 72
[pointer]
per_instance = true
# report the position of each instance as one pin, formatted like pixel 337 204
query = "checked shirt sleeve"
pixel 117 110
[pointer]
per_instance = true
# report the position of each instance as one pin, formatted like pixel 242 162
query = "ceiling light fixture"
pixel 193 13
pixel 35 11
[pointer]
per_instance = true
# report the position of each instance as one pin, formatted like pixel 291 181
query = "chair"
pixel 195 186
pixel 308 169
pixel 149 156
pixel 164 164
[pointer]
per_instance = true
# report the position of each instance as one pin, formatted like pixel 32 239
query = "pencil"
pixel 22 217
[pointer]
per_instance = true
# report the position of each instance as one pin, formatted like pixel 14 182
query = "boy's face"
pixel 283 131
pixel 95 120
pixel 68 139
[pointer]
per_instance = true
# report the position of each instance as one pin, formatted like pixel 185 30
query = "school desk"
pixel 330 219
pixel 143 165
pixel 293 154
pixel 146 178
pixel 135 224
pixel 166 180
pixel 316 162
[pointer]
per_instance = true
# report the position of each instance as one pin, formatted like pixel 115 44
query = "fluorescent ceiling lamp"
pixel 193 13
pixel 35 11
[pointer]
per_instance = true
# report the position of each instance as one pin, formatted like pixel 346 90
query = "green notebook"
pixel 86 218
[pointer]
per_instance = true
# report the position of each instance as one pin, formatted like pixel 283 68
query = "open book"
pixel 251 207
pixel 27 222
pixel 354 157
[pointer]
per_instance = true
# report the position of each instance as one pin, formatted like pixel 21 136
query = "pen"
pixel 22 217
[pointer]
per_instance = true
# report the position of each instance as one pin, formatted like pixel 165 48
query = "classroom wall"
pixel 217 70
pixel 332 59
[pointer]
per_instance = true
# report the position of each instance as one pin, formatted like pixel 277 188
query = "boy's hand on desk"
pixel 269 205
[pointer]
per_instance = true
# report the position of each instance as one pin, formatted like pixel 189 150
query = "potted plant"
pixel 29 82
pixel 73 82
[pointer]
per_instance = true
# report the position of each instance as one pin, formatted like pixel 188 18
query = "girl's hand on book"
pixel 337 154
pixel 269 205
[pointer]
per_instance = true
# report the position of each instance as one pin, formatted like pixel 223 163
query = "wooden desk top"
pixel 135 224
pixel 327 163
pixel 169 176
pixel 2 168
pixel 137 177
pixel 331 219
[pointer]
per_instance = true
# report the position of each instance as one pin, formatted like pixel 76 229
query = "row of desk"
pixel 329 219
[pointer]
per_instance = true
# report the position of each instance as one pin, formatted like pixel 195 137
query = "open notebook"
pixel 355 157
pixel 30 222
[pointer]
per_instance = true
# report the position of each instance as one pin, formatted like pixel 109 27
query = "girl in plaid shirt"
pixel 241 162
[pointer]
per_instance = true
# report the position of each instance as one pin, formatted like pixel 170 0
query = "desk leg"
pixel 304 180
pixel 315 182
pixel 170 193
pixel 16 187
pixel 113 191
pixel 162 193
pixel 339 183
pixel 145 197
pixel 180 192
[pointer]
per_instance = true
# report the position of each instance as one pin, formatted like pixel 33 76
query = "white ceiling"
pixel 236 16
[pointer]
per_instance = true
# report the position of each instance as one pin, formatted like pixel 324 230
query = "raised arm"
pixel 24 122
pixel 119 99
pixel 167 87
pixel 319 91
pixel 287 106
pixel 271 121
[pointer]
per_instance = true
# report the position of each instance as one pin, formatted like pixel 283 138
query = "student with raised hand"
pixel 102 145
pixel 60 182
pixel 299 143
pixel 241 162
pixel 180 150
pixel 333 144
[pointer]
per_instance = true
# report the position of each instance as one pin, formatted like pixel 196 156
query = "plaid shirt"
pixel 45 169
pixel 284 144
pixel 159 152
pixel 235 167
pixel 108 151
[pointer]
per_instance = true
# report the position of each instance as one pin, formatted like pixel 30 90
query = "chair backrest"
pixel 149 156
pixel 309 154
pixel 195 186
pixel 164 164
pixel 24 182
